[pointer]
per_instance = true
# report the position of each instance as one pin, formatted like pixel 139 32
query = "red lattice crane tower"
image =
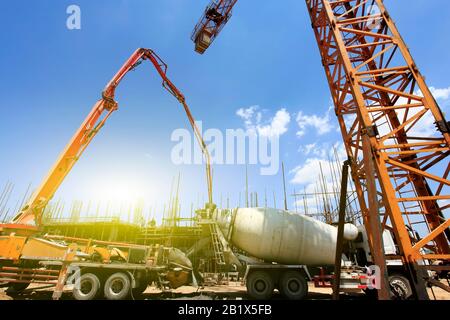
pixel 394 132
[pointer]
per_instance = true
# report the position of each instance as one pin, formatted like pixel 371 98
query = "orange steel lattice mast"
pixel 394 132
pixel 385 109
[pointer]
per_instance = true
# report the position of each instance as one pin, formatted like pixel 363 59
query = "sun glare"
pixel 129 191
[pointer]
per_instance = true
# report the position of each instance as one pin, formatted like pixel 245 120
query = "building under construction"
pixel 382 214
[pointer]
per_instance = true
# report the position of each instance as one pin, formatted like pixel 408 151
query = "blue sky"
pixel 266 57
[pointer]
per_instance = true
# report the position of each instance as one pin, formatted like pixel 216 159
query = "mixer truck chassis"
pixel 92 268
pixel 120 281
pixel 292 280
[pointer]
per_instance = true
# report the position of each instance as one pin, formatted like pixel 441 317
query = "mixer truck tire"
pixel 88 287
pixel 400 287
pixel 260 285
pixel 117 286
pixel 293 285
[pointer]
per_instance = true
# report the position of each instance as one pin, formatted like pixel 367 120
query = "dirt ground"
pixel 233 291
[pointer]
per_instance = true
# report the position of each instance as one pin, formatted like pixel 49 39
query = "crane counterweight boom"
pixel 215 17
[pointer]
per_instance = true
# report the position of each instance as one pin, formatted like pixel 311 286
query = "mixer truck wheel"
pixel 117 287
pixel 260 285
pixel 400 287
pixel 293 285
pixel 88 287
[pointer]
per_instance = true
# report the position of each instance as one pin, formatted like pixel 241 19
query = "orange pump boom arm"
pixel 102 110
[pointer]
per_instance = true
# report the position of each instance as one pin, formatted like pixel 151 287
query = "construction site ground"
pixel 233 291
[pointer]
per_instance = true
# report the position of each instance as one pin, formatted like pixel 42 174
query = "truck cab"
pixel 361 245
pixel 398 280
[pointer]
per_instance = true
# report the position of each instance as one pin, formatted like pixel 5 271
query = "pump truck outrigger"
pixel 28 257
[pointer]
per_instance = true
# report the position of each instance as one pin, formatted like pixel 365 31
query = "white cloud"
pixel 275 127
pixel 306 177
pixel 278 125
pixel 440 94
pixel 308 149
pixel 309 171
pixel 322 124
pixel 319 150
pixel 247 114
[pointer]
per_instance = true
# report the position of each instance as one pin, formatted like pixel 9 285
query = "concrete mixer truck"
pixel 278 246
